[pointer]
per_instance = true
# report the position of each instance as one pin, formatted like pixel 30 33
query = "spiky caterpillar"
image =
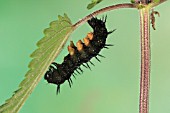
pixel 139 1
pixel 80 54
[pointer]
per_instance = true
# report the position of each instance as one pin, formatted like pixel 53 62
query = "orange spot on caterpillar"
pixel 86 41
pixel 90 36
pixel 71 50
pixel 79 45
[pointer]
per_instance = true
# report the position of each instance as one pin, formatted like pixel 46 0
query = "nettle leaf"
pixel 93 3
pixel 156 1
pixel 48 49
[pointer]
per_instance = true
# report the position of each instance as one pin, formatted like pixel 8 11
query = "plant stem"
pixel 100 11
pixel 145 60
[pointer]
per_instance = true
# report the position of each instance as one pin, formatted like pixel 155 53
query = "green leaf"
pixel 156 1
pixel 93 3
pixel 48 49
pixel 132 1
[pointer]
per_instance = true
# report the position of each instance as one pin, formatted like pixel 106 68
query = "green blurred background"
pixel 112 86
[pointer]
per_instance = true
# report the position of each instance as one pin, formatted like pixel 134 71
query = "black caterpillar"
pixel 80 55
pixel 139 1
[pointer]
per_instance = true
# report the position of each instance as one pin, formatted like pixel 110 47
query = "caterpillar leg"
pixel 56 64
pixel 51 67
pixel 49 72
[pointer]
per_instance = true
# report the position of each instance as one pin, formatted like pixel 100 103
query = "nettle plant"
pixel 55 38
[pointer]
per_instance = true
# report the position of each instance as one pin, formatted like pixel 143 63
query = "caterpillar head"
pixel 48 76
pixel 53 76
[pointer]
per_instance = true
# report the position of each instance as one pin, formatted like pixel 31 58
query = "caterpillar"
pixel 140 1
pixel 80 54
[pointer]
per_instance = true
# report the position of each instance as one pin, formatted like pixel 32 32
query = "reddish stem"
pixel 145 60
pixel 100 11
